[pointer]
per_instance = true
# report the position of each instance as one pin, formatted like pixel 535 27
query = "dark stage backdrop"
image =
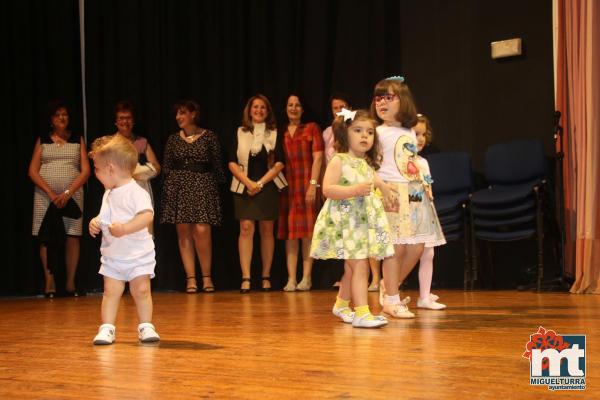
pixel 222 52
pixel 40 61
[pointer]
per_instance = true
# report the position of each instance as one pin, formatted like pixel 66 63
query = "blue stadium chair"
pixel 452 176
pixel 511 207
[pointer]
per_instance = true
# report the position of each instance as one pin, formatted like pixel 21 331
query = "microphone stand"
pixel 560 283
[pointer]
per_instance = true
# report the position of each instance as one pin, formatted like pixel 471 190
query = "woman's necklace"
pixel 190 138
pixel 59 139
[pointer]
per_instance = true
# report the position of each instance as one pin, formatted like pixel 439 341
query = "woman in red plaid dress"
pixel 303 146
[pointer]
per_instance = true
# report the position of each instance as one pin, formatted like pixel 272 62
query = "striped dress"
pixel 60 166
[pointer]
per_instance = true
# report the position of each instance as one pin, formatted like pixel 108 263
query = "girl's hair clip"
pixel 395 78
pixel 347 114
pixel 419 115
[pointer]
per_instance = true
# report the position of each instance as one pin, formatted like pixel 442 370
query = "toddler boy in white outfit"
pixel 127 250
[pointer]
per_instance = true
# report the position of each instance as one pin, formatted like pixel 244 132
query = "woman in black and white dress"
pixel 59 167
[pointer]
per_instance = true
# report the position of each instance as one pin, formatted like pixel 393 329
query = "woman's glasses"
pixel 387 97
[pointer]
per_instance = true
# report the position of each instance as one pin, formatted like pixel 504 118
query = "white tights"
pixel 426 272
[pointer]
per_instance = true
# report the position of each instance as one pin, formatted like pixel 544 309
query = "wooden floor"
pixel 287 345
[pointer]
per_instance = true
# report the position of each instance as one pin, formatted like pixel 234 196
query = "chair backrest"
pixel 515 162
pixel 451 172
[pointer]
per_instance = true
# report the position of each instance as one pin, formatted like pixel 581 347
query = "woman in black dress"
pixel 192 171
pixel 256 161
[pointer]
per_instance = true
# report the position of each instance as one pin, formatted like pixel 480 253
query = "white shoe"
pixel 147 333
pixel 434 297
pixel 344 313
pixel 304 285
pixel 404 301
pixel 369 321
pixel 430 304
pixel 398 310
pixel 290 287
pixel 106 335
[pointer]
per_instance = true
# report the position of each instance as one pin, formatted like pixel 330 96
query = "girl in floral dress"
pixel 352 224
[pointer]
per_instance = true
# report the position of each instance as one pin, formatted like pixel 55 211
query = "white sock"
pixel 392 300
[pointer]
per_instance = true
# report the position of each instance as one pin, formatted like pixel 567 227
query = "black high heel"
pixel 268 279
pixel 50 294
pixel 243 290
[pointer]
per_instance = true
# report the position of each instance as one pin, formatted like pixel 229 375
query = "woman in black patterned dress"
pixel 192 170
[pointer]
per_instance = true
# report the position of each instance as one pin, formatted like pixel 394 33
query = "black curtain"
pixel 40 61
pixel 220 52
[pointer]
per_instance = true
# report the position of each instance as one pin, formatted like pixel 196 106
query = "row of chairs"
pixel 509 209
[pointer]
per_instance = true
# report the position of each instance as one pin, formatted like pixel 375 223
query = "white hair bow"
pixel 347 114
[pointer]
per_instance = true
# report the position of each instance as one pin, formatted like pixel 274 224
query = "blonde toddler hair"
pixel 117 150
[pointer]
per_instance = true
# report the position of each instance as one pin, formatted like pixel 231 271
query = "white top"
pixel 423 166
pixel 388 136
pixel 122 204
pixel 328 140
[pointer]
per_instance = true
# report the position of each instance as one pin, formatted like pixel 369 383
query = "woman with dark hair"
pixel 192 170
pixel 256 161
pixel 148 166
pixel 303 147
pixel 59 167
pixel 337 101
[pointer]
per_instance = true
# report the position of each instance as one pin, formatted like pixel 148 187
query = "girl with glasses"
pixel 410 222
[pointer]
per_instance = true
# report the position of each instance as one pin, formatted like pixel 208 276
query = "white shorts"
pixel 127 270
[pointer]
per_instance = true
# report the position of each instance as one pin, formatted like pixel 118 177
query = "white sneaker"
pixel 290 287
pixel 430 304
pixel 304 285
pixel 106 335
pixel 398 310
pixel 344 313
pixel 147 333
pixel 369 321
